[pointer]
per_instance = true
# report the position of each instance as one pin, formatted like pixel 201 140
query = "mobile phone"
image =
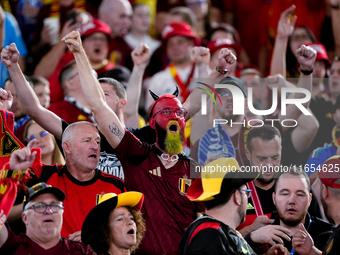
pixel 73 16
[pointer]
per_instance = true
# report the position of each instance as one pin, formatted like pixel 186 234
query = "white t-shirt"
pixel 148 40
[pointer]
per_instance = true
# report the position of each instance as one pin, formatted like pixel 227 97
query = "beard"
pixel 292 222
pixel 169 142
pixel 266 180
pixel 242 211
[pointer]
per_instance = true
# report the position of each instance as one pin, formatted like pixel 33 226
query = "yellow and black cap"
pixel 221 176
pixel 105 205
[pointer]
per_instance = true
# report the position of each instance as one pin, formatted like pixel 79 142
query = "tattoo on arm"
pixel 115 130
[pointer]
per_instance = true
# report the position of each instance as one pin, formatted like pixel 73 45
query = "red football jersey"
pixel 166 210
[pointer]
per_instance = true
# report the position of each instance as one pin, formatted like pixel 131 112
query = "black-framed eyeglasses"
pixel 247 191
pixel 168 111
pixel 41 135
pixel 42 207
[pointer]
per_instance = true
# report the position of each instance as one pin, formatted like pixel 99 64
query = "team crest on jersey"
pixel 99 197
pixel 183 184
pixel 330 246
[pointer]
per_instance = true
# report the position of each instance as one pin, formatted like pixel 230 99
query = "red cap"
pixel 220 43
pixel 95 26
pixel 179 28
pixel 330 172
pixel 321 53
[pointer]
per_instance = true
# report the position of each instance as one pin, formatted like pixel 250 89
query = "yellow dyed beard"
pixel 173 142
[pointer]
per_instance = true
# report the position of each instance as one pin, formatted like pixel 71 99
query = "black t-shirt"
pixel 319 230
pixel 108 161
pixel 333 245
pixel 207 235
pixel 269 208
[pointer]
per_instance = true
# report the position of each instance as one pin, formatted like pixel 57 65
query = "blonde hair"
pixel 57 156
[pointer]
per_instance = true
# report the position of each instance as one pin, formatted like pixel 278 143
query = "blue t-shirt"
pixel 318 156
pixel 12 35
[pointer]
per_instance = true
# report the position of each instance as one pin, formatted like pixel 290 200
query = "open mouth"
pixel 292 210
pixel 93 156
pixel 97 51
pixel 131 232
pixel 48 221
pixel 173 127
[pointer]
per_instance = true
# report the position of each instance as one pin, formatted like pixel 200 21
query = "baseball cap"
pixel 105 205
pixel 95 26
pixel 226 178
pixel 179 28
pixel 321 53
pixel 234 81
pixel 330 172
pixel 220 43
pixel 42 188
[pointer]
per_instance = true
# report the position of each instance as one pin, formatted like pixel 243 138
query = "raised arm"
pixel 26 95
pixel 49 62
pixel 20 160
pixel 285 28
pixel 306 57
pixel 201 56
pixel 226 60
pixel 108 121
pixel 140 57
pixel 201 123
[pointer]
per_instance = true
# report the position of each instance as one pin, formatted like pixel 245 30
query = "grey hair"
pixel 70 132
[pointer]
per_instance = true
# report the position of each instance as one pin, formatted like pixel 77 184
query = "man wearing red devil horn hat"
pixel 161 171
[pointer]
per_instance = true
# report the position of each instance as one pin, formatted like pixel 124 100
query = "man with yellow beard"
pixel 161 171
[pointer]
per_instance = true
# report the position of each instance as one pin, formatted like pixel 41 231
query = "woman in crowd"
pixel 301 35
pixel 115 225
pixel 50 152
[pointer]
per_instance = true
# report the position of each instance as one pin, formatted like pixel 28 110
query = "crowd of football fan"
pixel 109 107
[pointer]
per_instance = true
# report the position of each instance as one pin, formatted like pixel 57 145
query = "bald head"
pixel 117 14
pixel 71 131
